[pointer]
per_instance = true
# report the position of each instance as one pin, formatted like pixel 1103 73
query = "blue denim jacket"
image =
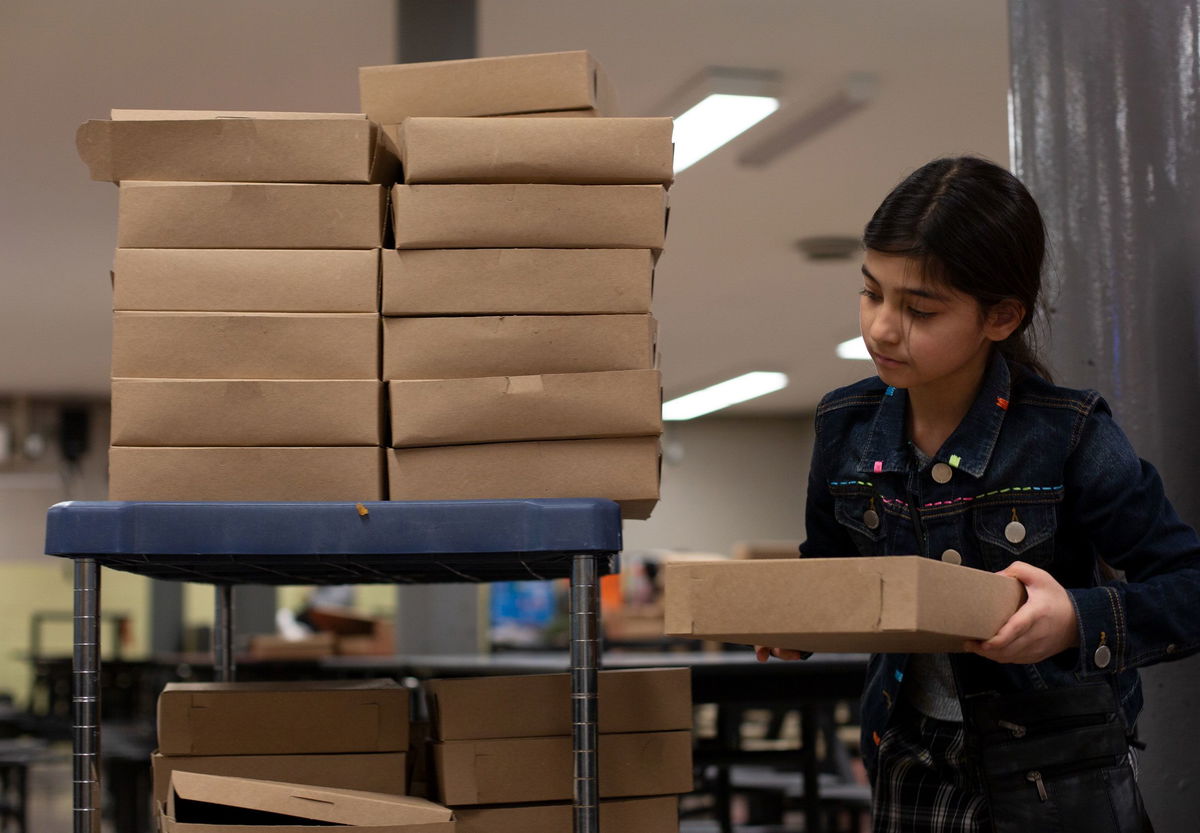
pixel 1052 458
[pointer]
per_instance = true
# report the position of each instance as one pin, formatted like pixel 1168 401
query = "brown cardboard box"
pixel 522 345
pixel 637 815
pixel 247 280
pixel 893 603
pixel 249 215
pixel 383 772
pixel 516 150
pixel 485 87
pixel 201 803
pixel 283 718
pixel 269 646
pixel 346 473
pixel 533 216
pixel 231 146
pixel 393 130
pixel 537 705
pixel 524 770
pixel 517 281
pixel 766 549
pixel 624 470
pixel 246 412
pixel 261 345
pixel 618 403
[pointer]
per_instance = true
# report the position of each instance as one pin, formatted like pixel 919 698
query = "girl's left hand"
pixel 1042 627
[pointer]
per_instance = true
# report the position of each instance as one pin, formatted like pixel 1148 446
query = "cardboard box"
pixel 200 803
pixel 766 549
pixel 539 705
pixel 249 215
pixel 517 150
pixel 521 345
pixel 247 280
pixel 230 146
pixel 894 603
pixel 636 815
pixel 260 345
pixel 383 772
pixel 393 130
pixel 619 403
pixel 525 770
pixel 485 87
pixel 517 281
pixel 246 412
pixel 532 216
pixel 346 473
pixel 272 647
pixel 624 470
pixel 283 718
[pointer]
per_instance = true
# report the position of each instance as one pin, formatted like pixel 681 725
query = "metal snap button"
pixel 1015 532
pixel 1102 657
pixel 871 519
pixel 942 472
pixel 1171 648
pixel 952 556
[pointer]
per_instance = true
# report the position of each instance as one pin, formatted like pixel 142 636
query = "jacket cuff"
pixel 1101 631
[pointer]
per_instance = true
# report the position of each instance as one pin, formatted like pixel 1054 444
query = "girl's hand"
pixel 764 653
pixel 1042 627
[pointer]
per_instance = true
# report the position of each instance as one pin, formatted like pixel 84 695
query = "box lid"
pixel 286 685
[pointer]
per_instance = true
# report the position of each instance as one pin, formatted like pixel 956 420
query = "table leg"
pixel 585 661
pixel 812 784
pixel 85 703
pixel 223 664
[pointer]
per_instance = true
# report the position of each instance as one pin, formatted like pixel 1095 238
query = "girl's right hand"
pixel 764 653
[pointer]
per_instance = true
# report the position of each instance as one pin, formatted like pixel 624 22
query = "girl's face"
pixel 925 335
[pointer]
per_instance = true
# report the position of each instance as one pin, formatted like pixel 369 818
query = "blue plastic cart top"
pixel 338 543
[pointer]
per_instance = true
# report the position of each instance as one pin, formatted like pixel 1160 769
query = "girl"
pixel 961 449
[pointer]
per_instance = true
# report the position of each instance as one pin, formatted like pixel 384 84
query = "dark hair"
pixel 972 226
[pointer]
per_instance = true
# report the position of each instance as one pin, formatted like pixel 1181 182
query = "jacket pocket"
pixel 1009 532
pixel 863 516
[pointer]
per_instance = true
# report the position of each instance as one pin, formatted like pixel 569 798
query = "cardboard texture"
pixel 516 150
pixel 637 815
pixel 521 770
pixel 621 403
pixel 393 130
pixel 485 87
pixel 249 215
pixel 539 705
pixel 372 772
pixel 237 147
pixel 533 216
pixel 517 281
pixel 214 345
pixel 200 802
pixel 245 473
pixel 894 603
pixel 247 280
pixel 283 718
pixel 269 646
pixel 246 412
pixel 518 345
pixel 624 470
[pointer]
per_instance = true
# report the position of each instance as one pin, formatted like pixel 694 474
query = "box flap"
pixel 288 685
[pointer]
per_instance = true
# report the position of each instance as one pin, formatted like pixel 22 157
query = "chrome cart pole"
pixel 585 661
pixel 223 665
pixel 85 701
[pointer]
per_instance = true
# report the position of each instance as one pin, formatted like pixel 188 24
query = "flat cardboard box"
pixel 630 815
pixel 230 146
pixel 305 474
pixel 201 803
pixel 624 470
pixel 283 718
pixel 393 130
pixel 517 281
pixel 382 772
pixel 249 215
pixel 485 87
pixel 532 216
pixel 619 403
pixel 272 647
pixel 246 412
pixel 517 345
pixel 880 604
pixel 236 345
pixel 526 770
pixel 247 280
pixel 539 705
pixel 516 150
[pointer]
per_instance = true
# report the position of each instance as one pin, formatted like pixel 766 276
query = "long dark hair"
pixel 972 226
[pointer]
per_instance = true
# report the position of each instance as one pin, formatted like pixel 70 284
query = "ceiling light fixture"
pixel 724 394
pixel 855 348
pixel 716 107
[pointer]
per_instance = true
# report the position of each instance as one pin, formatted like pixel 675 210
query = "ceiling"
pixel 732 292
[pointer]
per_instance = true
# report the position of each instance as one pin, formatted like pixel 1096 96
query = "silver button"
pixel 942 472
pixel 1102 657
pixel 952 556
pixel 871 519
pixel 1014 532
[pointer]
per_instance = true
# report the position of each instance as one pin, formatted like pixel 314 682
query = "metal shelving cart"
pixel 225 544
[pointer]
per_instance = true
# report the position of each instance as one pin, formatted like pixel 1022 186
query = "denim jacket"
pixel 1049 457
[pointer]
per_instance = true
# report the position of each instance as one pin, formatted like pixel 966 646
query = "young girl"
pixel 962 450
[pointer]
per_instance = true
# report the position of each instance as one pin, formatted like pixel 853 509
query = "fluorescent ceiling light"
pixel 855 348
pixel 723 394
pixel 716 120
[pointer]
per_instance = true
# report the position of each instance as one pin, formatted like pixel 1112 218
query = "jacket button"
pixel 1171 648
pixel 952 556
pixel 942 472
pixel 1102 657
pixel 1014 532
pixel 871 519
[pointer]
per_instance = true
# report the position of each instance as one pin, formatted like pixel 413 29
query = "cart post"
pixel 85 704
pixel 585 655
